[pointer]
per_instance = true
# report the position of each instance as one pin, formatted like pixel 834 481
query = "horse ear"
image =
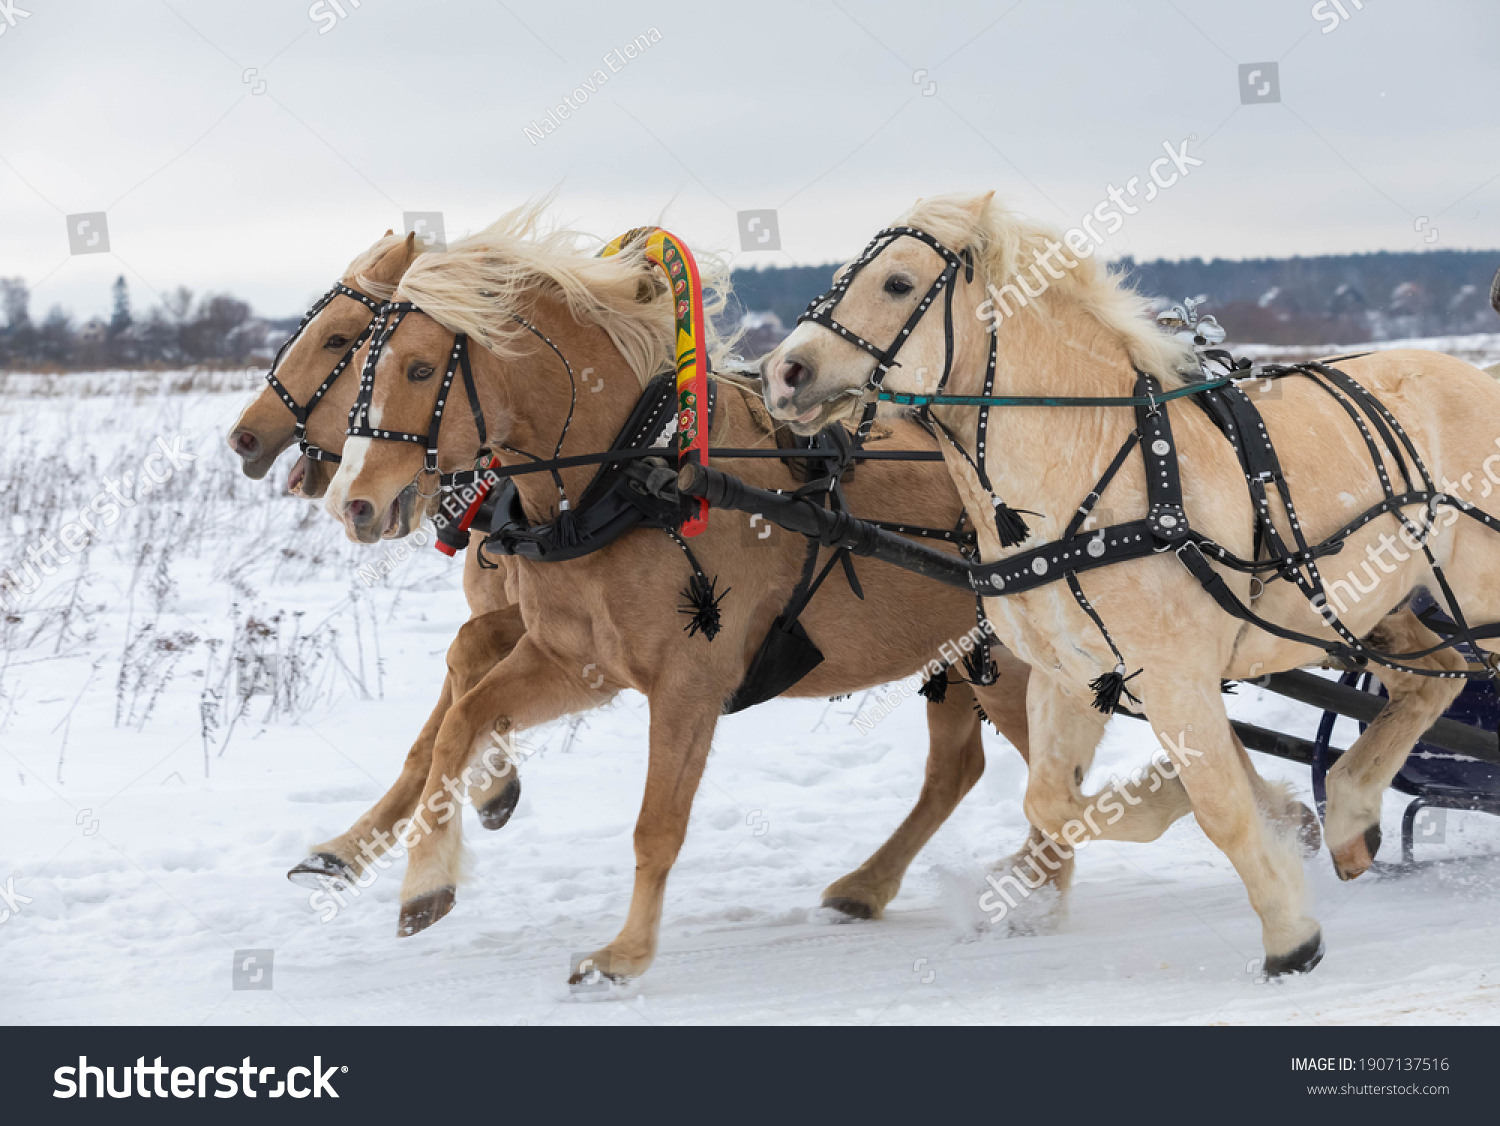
pixel 388 233
pixel 389 267
pixel 979 204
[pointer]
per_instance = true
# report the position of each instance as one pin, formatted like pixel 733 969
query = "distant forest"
pixel 1345 298
pixel 1334 299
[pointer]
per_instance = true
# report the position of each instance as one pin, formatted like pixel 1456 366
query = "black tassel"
pixel 1109 687
pixel 935 688
pixel 979 667
pixel 1010 525
pixel 565 528
pixel 703 605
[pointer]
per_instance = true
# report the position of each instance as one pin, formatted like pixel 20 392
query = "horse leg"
pixel 525 689
pixel 1360 777
pixel 682 730
pixel 480 644
pixel 1189 718
pixel 1065 730
pixel 345 858
pixel 955 760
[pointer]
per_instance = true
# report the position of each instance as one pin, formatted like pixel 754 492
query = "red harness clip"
pixel 455 536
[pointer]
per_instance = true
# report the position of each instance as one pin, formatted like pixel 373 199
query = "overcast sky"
pixel 264 184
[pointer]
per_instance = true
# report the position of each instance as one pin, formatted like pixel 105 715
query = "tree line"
pixel 183 330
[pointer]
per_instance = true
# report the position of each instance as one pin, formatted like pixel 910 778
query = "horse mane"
pixel 381 291
pixel 479 283
pixel 1003 243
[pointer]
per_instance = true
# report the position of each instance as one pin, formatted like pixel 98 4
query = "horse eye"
pixel 418 371
pixel 336 341
pixel 897 286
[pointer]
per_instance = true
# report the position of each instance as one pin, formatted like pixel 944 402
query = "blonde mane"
pixel 1004 244
pixel 478 283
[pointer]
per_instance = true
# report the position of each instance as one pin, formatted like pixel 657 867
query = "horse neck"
pixel 1039 457
pixel 537 402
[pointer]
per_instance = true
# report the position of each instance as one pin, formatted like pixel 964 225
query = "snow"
pixel 151 849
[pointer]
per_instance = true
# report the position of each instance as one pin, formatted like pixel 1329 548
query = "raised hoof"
pixel 320 870
pixel 494 813
pixel 420 913
pixel 1299 961
pixel 1355 858
pixel 852 908
pixel 1309 834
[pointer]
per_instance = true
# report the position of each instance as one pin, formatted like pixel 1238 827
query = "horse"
pixel 523 311
pixel 1030 318
pixel 306 401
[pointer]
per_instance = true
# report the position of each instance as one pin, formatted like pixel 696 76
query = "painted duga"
pixel 267 427
pixel 1075 331
pixel 517 294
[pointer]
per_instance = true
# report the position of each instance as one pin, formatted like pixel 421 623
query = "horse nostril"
pixel 795 374
pixel 246 444
pixel 359 511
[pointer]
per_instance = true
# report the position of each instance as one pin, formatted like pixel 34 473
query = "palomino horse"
pixel 1076 332
pixel 541 311
pixel 307 400
pixel 955 755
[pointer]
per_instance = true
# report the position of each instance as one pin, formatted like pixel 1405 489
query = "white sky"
pixel 142 110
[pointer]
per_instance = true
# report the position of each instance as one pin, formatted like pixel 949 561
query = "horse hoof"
pixel 1299 961
pixel 420 913
pixel 1309 834
pixel 850 908
pixel 1355 858
pixel 495 813
pixel 322 869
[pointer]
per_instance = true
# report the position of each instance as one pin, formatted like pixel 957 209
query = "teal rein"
pixel 906 400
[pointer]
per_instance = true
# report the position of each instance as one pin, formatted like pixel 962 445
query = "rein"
pixel 1147 400
pixel 301 412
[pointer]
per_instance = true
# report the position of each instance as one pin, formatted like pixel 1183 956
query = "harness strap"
pixel 300 411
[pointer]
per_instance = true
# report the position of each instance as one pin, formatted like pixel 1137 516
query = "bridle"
pixel 820 310
pixel 387 320
pixel 301 412
pixel 1009 525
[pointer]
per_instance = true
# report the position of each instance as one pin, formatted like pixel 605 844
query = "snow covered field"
pixel 147 821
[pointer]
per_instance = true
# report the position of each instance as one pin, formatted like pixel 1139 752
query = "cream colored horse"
pixel 1075 331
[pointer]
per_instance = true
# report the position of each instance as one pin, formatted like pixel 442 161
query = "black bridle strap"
pixel 301 412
